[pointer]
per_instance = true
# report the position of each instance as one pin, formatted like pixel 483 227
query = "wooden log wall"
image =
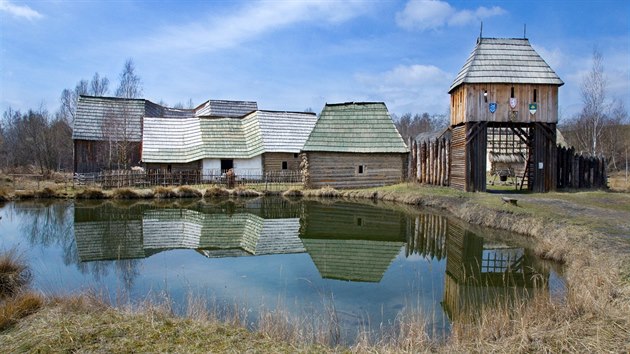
pixel 353 170
pixel 580 171
pixel 429 161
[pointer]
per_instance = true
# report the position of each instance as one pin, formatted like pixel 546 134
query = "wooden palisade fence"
pixel 580 171
pixel 429 161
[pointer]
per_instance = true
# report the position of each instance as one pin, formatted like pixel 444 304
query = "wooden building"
pixel 107 132
pixel 504 87
pixel 354 145
pixel 106 127
pixel 252 145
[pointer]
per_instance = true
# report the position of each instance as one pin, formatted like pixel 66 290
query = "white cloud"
pixel 409 88
pixel 433 14
pixel 248 23
pixel 22 11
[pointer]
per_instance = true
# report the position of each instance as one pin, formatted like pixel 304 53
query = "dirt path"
pixel 608 214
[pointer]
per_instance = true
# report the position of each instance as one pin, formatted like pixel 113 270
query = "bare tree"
pixel 69 98
pixel 592 119
pixel 410 126
pixel 99 86
pixel 130 85
pixel 601 127
pixel 119 130
pixel 30 137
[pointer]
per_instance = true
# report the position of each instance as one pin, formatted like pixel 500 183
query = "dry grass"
pixel 188 192
pixel 125 193
pixel 86 324
pixel 293 192
pixel 243 192
pixel 618 182
pixel 5 196
pixel 15 301
pixel 215 191
pixel 90 193
pixel 17 307
pixel 164 192
pixel 14 273
pixel 325 192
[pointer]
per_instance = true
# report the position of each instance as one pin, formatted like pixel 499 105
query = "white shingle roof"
pixel 505 60
pixel 185 140
pixel 225 108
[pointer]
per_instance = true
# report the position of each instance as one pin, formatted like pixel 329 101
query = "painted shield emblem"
pixel 533 107
pixel 513 102
pixel 492 107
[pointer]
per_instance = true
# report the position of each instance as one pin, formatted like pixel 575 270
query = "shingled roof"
pixel 225 108
pixel 285 131
pixel 186 140
pixel 98 118
pixel 361 127
pixel 505 60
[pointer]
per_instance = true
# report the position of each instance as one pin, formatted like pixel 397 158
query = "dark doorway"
pixel 227 164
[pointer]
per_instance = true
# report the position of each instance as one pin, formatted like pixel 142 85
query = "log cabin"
pixel 354 145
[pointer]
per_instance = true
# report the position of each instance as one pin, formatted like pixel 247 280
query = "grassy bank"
pixel 587 231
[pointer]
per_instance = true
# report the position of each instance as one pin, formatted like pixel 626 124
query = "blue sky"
pixel 293 55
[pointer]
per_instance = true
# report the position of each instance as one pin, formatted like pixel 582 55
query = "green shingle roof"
pixel 363 127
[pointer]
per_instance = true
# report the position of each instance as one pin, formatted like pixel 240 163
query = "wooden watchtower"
pixel 505 101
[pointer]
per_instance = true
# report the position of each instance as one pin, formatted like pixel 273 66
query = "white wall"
pixel 251 166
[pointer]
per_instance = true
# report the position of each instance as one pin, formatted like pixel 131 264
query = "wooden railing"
pixel 272 180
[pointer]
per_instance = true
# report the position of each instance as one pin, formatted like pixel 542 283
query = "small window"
pixel 512 93
pixel 168 168
pixel 485 96
pixel 285 165
pixel 535 95
pixel 359 222
pixel 295 156
pixel 361 169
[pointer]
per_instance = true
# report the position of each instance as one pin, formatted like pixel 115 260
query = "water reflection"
pixel 487 272
pixel 374 260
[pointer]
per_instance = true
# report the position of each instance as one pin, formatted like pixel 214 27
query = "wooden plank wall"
pixel 468 103
pixel 543 165
pixel 93 156
pixel 429 161
pixel 272 161
pixel 458 158
pixel 580 171
pixel 341 170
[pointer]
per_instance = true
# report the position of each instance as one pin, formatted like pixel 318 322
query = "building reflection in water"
pixel 345 241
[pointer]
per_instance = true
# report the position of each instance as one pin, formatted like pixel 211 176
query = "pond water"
pixel 358 266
